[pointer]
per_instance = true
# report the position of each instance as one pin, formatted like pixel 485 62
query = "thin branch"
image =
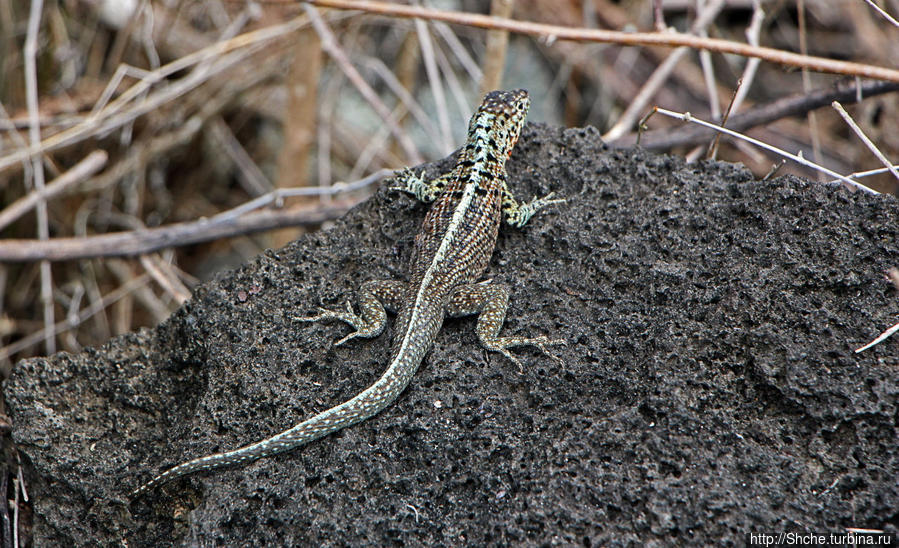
pixel 687 117
pixel 136 242
pixel 864 138
pixel 797 104
pixel 868 173
pixel 708 70
pixel 885 15
pixel 456 88
pixel 85 168
pixel 423 119
pixel 37 165
pixel 166 280
pixel 331 47
pixel 556 32
pixel 80 318
pixel 277 196
pixel 137 158
pixel 752 37
pixel 210 60
pixel 658 16
pixel 462 56
pixel 657 79
pixel 427 57
pixel 814 129
pixel 495 51
pixel 254 180
pixel 880 338
pixel 234 222
pixel 124 270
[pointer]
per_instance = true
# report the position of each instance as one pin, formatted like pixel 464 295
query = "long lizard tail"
pixel 366 404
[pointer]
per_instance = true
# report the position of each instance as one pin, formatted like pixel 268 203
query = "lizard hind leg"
pixel 490 302
pixel 375 299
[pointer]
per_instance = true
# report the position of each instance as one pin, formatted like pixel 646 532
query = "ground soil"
pixel 708 389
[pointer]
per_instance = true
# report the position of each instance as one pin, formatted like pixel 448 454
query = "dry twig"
pixel 800 103
pixel 90 164
pixel 332 48
pixel 136 242
pixel 687 117
pixel 556 32
pixel 210 61
pixel 864 138
pixel 37 165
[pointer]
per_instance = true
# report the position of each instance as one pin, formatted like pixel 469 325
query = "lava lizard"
pixel 451 252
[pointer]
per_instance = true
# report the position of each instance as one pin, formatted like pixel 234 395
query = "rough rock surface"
pixel 708 389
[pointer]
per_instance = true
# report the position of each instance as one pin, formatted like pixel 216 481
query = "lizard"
pixel 450 253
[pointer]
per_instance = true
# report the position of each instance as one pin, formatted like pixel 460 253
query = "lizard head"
pixel 500 119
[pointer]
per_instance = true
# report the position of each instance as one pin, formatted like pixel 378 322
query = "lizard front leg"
pixel 490 302
pixel 375 299
pixel 516 214
pixel 424 190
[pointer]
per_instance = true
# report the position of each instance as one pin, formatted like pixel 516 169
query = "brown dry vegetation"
pixel 199 107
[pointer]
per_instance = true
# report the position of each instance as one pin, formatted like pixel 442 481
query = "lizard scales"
pixel 451 252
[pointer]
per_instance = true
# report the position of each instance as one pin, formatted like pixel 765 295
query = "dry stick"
pixel 427 56
pixel 497 44
pixel 611 15
pixel 406 98
pixel 37 165
pixel 687 117
pixel 202 58
pixel 713 146
pixel 880 338
pixel 231 217
pixel 800 103
pixel 376 146
pixel 885 15
pixel 300 117
pixel 868 173
pixel 814 132
pixel 123 270
pixel 658 15
pixel 116 114
pixel 9 125
pixel 120 72
pixel 752 37
pixel 637 107
pixel 166 279
pixel 708 71
pixel 331 47
pixel 864 138
pixel 462 56
pixel 136 242
pixel 324 129
pixel 255 183
pixel 457 89
pixel 83 316
pixel 556 32
pixel 86 167
pixel 138 157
